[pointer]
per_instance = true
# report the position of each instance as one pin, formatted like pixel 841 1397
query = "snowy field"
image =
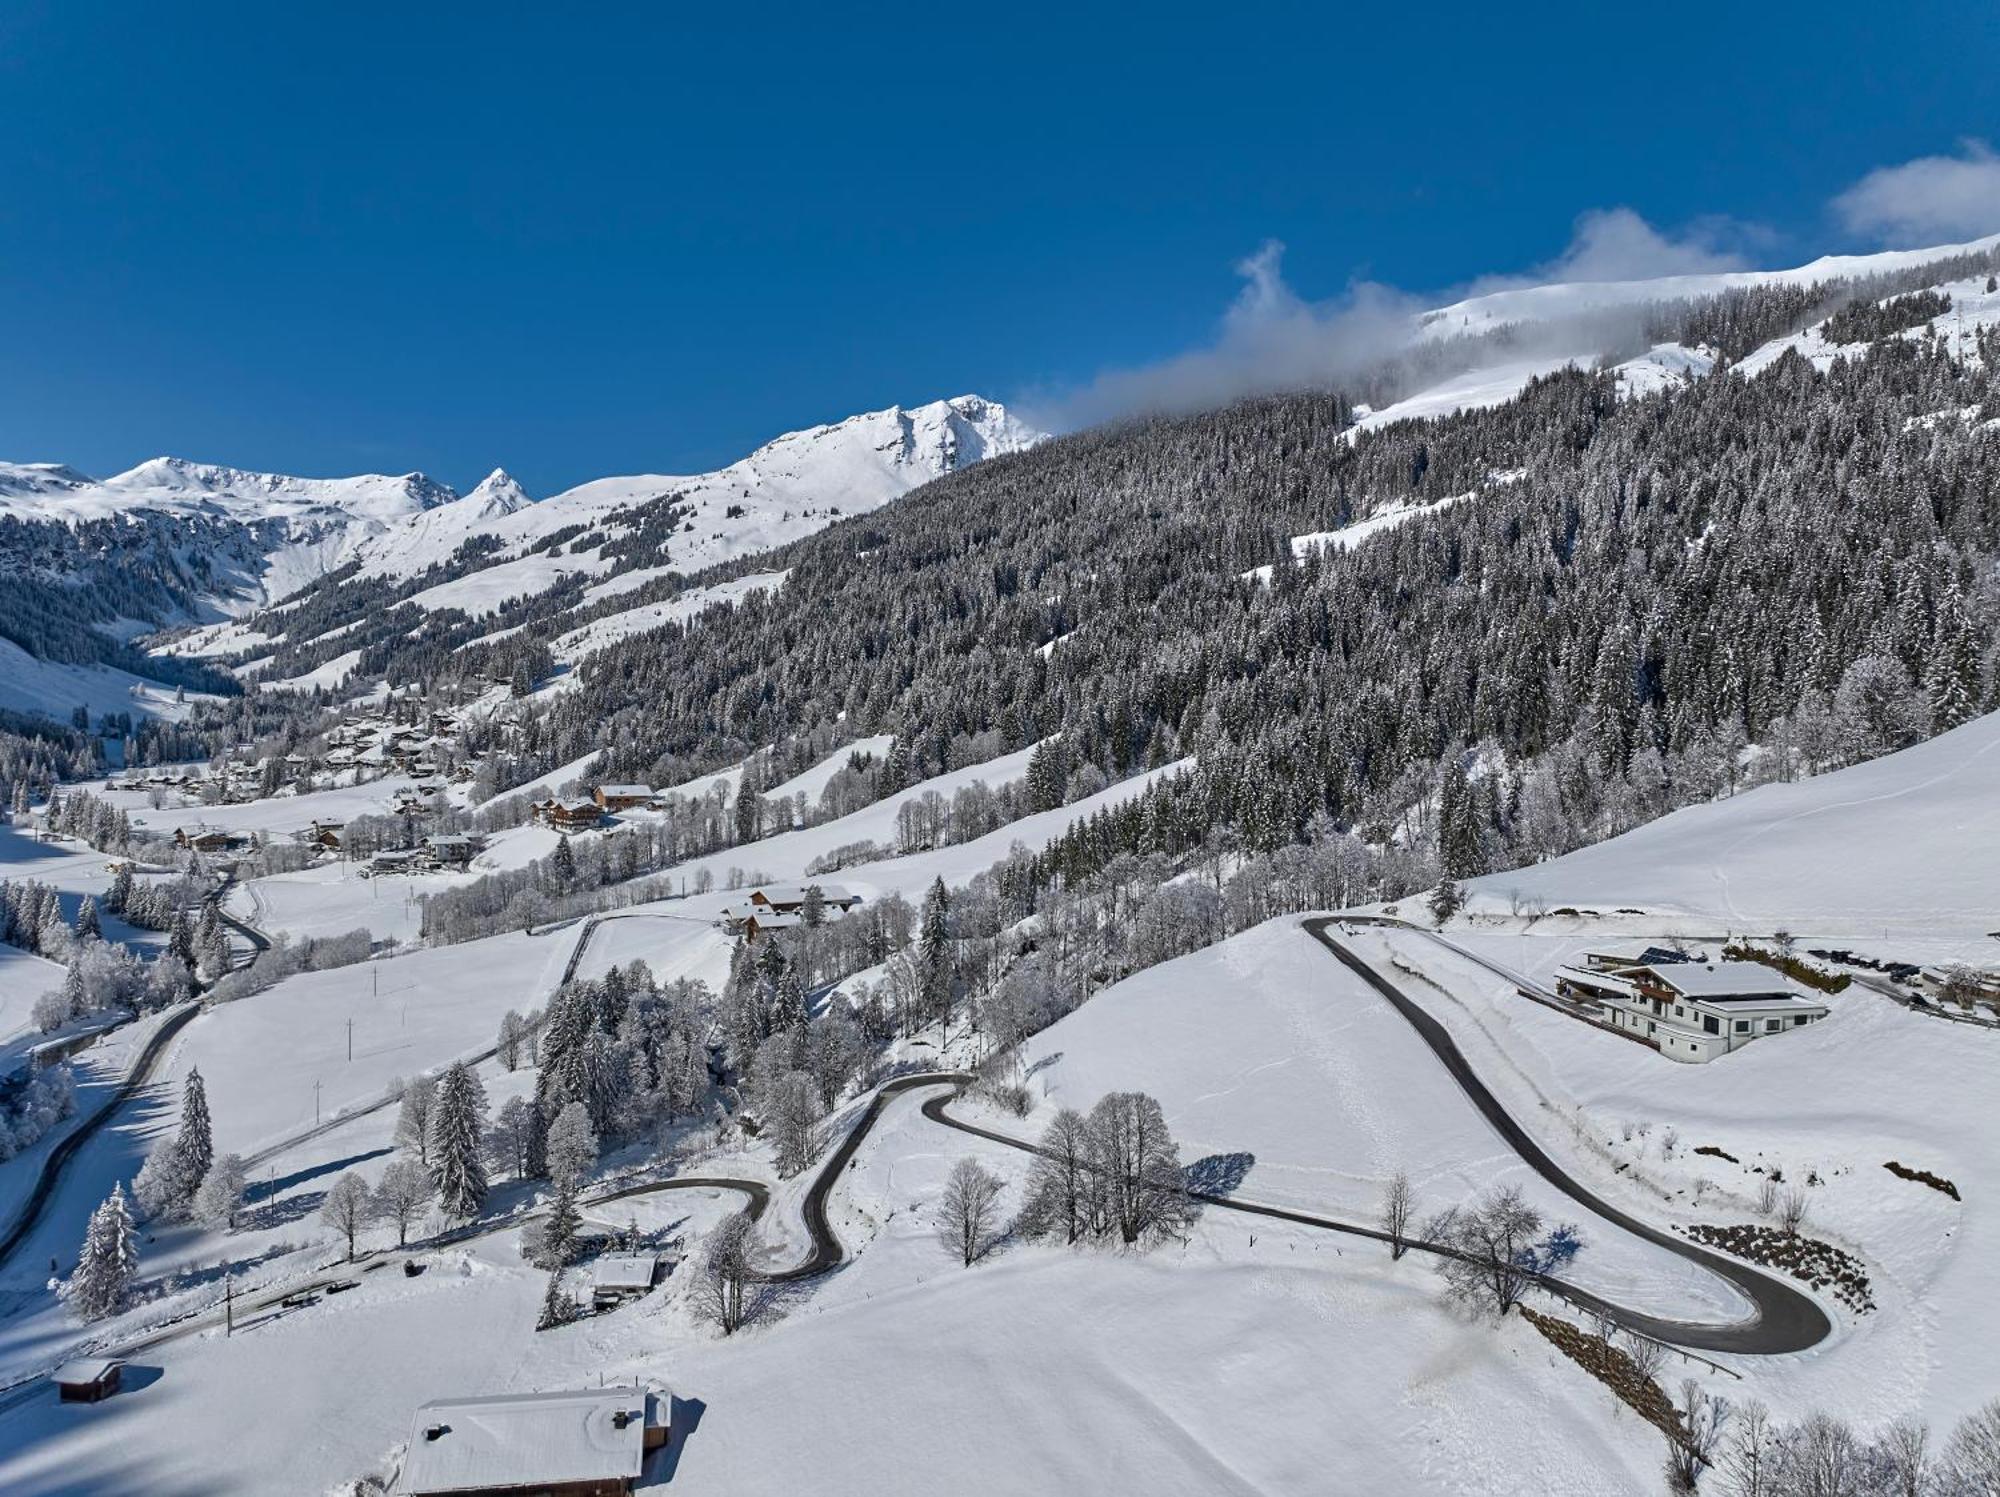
pixel 276 818
pixel 1905 845
pixel 1207 1369
pixel 330 899
pixel 589 638
pixel 1828 1105
pixel 55 690
pixel 1266 1046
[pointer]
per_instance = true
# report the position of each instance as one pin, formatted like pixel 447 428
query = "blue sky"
pixel 332 239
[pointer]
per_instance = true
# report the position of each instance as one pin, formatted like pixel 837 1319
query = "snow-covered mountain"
pixel 396 526
pixel 786 489
pixel 174 485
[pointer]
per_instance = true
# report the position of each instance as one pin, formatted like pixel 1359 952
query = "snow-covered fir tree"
pixel 457 1148
pixel 107 1262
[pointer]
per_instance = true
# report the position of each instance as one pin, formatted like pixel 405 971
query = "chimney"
pixel 437 1432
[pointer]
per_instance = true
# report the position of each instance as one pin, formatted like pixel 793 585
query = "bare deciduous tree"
pixel 793 1111
pixel 1064 1195
pixel 1491 1248
pixel 1973 1454
pixel 968 1210
pixel 1821 1458
pixel 1140 1166
pixel 401 1195
pixel 721 1293
pixel 413 1119
pixel 1693 1449
pixel 1647 1356
pixel 1905 1455
pixel 1750 1460
pixel 1398 1201
pixel 346 1208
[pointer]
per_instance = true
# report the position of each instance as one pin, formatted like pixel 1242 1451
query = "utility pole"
pixel 228 1306
pixel 350 1041
pixel 315 1104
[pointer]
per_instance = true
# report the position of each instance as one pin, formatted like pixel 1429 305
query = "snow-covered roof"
pixel 626 792
pixel 774 919
pixel 796 894
pixel 624 1271
pixel 85 1369
pixel 1713 980
pixel 526 1440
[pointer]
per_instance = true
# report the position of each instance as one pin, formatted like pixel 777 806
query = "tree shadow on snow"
pixel 1218 1174
pixel 261 1190
pixel 284 1212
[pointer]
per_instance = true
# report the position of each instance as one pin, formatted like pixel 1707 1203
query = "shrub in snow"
pixel 48 1097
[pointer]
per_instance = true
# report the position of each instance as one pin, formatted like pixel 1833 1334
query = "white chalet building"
pixel 1692 1011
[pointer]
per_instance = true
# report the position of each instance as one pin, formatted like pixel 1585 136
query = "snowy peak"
pixel 497 494
pixel 790 487
pixel 946 435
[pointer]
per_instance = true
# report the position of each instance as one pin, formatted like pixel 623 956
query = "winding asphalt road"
pixel 1785 1319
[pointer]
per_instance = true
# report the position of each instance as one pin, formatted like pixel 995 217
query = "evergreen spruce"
pixel 559 1232
pixel 457 1154
pixel 109 1259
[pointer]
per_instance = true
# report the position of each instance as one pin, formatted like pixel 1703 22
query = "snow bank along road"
pixel 136 1080
pixel 1785 1319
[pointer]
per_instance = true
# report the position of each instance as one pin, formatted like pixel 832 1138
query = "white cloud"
pixel 1270 338
pixel 1616 244
pixel 1928 201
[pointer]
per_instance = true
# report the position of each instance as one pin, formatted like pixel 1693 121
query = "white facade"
pixel 1694 1011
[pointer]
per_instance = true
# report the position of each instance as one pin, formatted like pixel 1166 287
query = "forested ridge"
pixel 1636 590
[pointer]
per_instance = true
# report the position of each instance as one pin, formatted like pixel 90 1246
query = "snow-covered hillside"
pixel 1908 843
pixel 1518 305
pixel 1575 322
